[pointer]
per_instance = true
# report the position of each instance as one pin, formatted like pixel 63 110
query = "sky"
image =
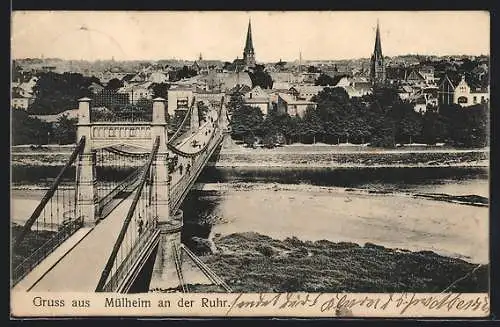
pixel 154 35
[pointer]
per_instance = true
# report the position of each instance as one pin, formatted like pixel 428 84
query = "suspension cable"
pixel 111 260
pixel 36 213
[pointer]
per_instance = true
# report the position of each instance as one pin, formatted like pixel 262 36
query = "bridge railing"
pixel 181 187
pixel 129 183
pixel 56 209
pixel 121 116
pixel 63 232
pixel 131 236
pixel 116 174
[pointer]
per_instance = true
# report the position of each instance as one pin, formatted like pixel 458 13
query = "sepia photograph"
pixel 256 163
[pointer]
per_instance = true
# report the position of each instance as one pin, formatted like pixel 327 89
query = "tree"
pixel 261 78
pixel 325 80
pixel 244 120
pixel 409 128
pixel 55 93
pixel 65 130
pixel 313 125
pixel 28 130
pixel 313 69
pixel 235 102
pixel 114 84
pixel 160 90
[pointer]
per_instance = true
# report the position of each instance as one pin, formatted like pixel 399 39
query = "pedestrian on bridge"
pixel 140 223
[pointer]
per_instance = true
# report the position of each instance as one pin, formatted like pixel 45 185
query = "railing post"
pixel 86 188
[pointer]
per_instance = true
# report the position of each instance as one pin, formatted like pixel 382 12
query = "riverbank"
pixel 353 159
pixel 252 262
pixel 299 157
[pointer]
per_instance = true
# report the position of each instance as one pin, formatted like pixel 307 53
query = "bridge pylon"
pixel 195 119
pixel 86 183
pixel 169 225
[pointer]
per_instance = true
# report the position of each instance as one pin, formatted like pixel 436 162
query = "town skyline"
pixel 123 36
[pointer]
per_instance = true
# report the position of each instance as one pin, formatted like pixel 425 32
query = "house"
pixel 427 72
pixel 310 78
pixel 405 92
pixel 228 81
pixel 140 77
pixel 287 103
pixel 396 74
pixel 96 88
pixel 257 97
pixel 242 89
pixel 286 77
pixel 425 98
pixel 204 95
pixel 196 67
pixel 358 89
pixel 126 79
pixel 24 89
pixel 158 77
pixel 19 101
pixel 420 104
pixel 306 92
pixel 468 94
pixel 344 81
pixel 137 91
pixel 415 78
pixel 179 97
pixel 446 91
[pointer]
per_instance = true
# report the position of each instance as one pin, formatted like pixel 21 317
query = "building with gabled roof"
pixel 306 92
pixel 257 97
pixel 287 103
pixel 468 94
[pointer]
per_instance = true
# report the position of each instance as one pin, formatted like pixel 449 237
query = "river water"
pixel 352 205
pixel 355 205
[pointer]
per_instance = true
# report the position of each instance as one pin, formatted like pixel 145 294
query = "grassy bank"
pixel 250 262
pixel 31 243
pixel 257 158
pixel 329 159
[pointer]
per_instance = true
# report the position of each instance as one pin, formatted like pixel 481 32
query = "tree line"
pixel 381 119
pixel 31 130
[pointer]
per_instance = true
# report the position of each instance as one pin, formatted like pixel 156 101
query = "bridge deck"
pixel 52 259
pixel 80 270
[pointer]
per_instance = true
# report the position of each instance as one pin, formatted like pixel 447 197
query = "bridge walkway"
pixel 81 268
pixel 40 270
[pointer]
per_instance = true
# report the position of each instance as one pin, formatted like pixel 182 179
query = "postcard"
pixel 230 163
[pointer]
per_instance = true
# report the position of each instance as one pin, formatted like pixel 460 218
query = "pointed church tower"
pixel 377 66
pixel 248 52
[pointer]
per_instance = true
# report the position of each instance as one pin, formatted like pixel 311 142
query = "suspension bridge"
pixel 113 213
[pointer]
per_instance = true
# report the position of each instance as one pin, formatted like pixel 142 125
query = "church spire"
pixel 378 46
pixel 249 43
pixel 248 52
pixel 377 66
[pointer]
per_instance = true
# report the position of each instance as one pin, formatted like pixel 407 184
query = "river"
pixel 353 205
